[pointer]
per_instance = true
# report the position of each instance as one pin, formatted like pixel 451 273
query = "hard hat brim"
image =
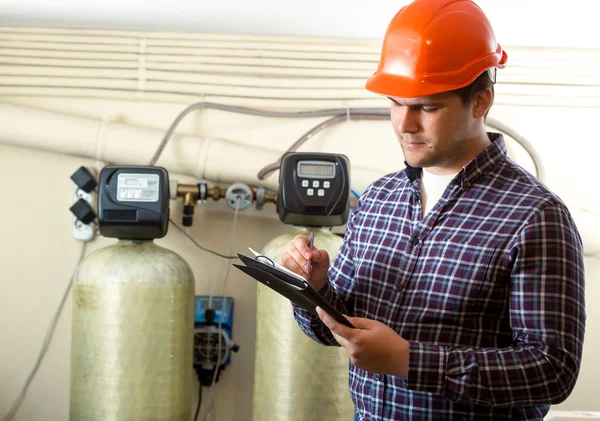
pixel 405 87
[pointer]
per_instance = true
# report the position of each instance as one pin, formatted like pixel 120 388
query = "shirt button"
pixel 399 287
pixel 414 241
pixel 377 377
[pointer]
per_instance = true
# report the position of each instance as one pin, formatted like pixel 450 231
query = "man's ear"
pixel 482 103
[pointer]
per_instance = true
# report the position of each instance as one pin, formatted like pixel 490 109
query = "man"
pixel 463 274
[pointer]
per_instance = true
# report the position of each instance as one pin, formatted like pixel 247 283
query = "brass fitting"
pixel 215 192
pixel 191 194
pixel 271 197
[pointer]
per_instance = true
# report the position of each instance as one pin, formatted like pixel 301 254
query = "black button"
pixel 377 377
pixel 414 241
pixel 399 287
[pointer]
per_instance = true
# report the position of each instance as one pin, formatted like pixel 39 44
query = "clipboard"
pixel 290 285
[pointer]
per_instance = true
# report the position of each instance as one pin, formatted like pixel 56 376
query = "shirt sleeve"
pixel 338 289
pixel 547 318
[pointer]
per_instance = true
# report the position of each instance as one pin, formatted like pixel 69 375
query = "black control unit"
pixel 133 202
pixel 314 189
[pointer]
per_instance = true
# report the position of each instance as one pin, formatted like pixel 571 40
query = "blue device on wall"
pixel 213 343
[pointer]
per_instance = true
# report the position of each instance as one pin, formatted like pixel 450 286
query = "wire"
pixel 268 169
pixel 340 115
pixel 355 193
pixel 224 311
pixel 212 286
pixel 49 332
pixel 262 113
pixel 198 245
pixel 382 115
pixel 537 161
pixel 199 400
pixel 214 282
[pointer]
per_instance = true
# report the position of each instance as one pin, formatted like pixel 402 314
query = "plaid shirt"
pixel 488 288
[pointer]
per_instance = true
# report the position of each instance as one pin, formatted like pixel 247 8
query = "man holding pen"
pixel 462 273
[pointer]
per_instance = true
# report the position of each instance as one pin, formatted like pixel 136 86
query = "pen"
pixel 311 242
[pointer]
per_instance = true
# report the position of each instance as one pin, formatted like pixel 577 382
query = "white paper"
pixel 278 266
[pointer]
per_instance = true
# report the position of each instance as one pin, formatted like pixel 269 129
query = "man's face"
pixel 435 132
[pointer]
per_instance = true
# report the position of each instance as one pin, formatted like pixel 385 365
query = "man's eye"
pixel 430 109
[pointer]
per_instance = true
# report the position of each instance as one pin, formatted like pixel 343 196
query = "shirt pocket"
pixel 456 273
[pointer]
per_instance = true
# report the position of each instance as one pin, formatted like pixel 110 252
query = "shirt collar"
pixel 477 166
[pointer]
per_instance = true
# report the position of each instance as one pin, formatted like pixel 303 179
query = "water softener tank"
pixel 133 309
pixel 133 319
pixel 295 378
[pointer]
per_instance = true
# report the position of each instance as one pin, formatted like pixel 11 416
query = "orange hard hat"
pixel 434 46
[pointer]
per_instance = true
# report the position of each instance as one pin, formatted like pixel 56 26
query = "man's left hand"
pixel 372 345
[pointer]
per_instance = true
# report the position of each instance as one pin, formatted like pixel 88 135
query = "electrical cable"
pixel 48 336
pixel 213 285
pixel 345 112
pixel 537 162
pixel 355 193
pixel 494 124
pixel 224 311
pixel 199 401
pixel 340 115
pixel 268 169
pixel 198 245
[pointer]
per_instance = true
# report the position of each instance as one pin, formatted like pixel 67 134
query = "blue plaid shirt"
pixel 488 288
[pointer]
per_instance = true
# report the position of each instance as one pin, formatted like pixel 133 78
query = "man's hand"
pixel 372 345
pixel 295 257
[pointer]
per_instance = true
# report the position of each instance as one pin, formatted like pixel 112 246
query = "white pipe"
pixel 121 144
pixel 215 160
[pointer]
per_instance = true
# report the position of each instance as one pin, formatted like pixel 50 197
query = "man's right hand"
pixel 295 257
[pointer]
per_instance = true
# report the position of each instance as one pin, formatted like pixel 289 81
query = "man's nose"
pixel 409 120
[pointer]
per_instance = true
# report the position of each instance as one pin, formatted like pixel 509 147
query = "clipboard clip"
pixel 264 259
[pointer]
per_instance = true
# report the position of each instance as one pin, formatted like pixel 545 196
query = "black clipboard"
pixel 294 288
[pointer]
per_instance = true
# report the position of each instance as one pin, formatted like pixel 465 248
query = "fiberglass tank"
pixel 295 378
pixel 133 320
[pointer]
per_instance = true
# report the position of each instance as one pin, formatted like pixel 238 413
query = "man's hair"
pixel 469 92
